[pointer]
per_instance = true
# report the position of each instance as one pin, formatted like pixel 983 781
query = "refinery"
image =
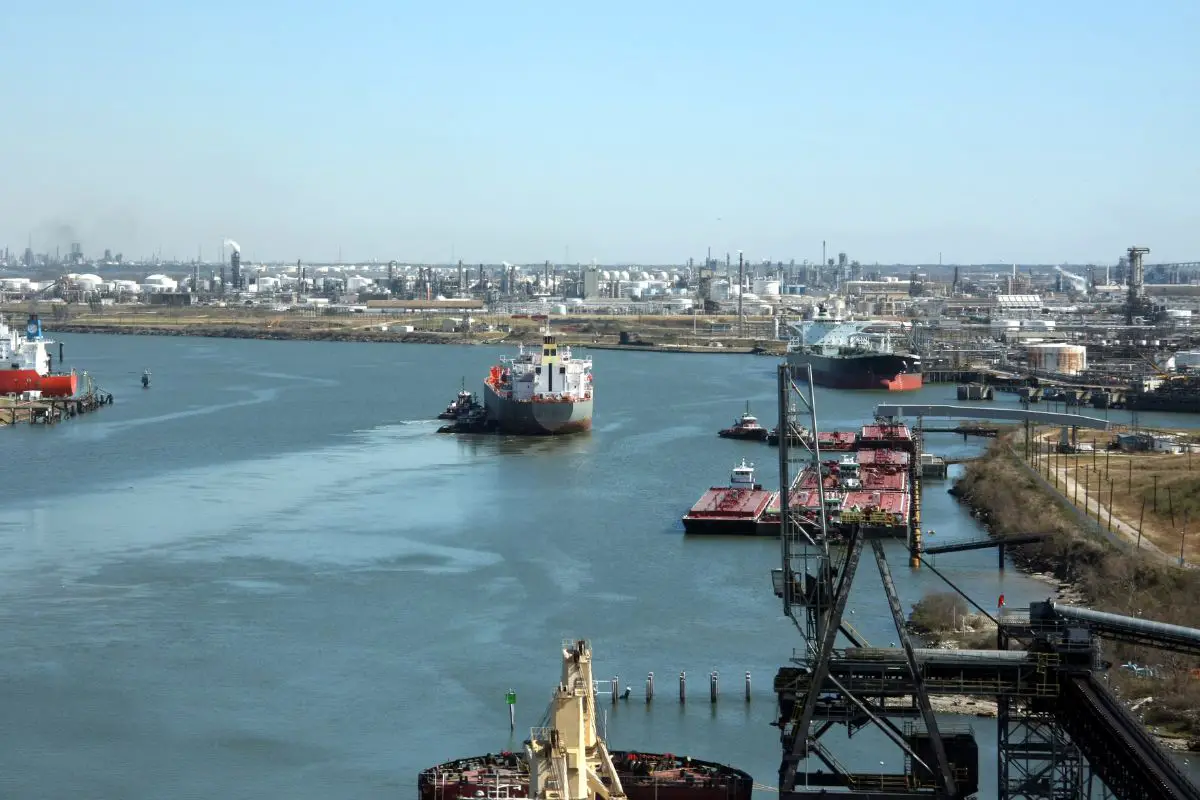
pixel 1105 335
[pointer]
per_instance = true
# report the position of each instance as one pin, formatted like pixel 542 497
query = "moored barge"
pixel 734 509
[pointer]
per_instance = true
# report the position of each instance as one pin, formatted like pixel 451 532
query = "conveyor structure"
pixel 1061 734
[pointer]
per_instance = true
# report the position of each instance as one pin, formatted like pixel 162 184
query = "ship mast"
pixel 567 758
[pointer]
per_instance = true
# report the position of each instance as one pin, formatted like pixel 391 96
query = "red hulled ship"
pixel 566 759
pixel 26 363
pixel 853 355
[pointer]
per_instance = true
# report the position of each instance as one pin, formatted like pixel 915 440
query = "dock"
pixel 50 410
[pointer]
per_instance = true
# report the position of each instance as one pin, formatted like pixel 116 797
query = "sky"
pixel 624 132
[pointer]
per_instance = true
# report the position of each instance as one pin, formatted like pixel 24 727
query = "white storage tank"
pixel 1064 359
pixel 559 309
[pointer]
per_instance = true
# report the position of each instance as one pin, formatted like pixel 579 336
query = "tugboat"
pixel 475 419
pixel 566 759
pixel 848 474
pixel 745 427
pixel 462 403
pixel 802 437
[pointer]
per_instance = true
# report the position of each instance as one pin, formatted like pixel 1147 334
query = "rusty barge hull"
pixel 644 776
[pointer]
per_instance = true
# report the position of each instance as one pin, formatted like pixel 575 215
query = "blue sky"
pixel 619 131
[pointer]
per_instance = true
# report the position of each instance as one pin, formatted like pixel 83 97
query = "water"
pixel 267 575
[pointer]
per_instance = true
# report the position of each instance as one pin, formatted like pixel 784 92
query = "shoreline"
pixel 380 334
pixel 1088 569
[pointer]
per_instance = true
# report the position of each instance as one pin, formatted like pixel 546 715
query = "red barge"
pixel 734 509
pixel 568 760
pixel 868 488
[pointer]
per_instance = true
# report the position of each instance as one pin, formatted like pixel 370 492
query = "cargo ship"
pixel 540 392
pixel 566 759
pixel 1180 394
pixel 734 509
pixel 26 363
pixel 848 355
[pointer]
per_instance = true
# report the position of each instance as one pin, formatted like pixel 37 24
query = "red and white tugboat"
pixel 568 760
pixel 25 363
pixel 745 427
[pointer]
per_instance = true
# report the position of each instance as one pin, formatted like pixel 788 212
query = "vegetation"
pixel 943 618
pixel 1010 501
pixel 1160 493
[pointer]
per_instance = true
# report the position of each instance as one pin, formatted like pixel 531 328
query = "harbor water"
pixel 268 576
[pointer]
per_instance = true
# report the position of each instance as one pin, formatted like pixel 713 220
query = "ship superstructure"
pixel 852 354
pixel 540 391
pixel 567 758
pixel 26 363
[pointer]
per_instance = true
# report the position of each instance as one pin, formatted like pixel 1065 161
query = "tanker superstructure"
pixel 851 355
pixel 540 392
pixel 26 363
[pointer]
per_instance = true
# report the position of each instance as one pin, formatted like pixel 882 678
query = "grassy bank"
pixel 653 333
pixel 1156 493
pixel 1010 501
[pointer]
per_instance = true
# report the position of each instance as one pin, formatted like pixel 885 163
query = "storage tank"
pixel 766 287
pixel 1065 359
pixel 559 309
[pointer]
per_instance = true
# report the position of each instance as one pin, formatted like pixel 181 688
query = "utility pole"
pixel 741 288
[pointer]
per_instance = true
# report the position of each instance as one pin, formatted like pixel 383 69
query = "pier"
pixel 50 410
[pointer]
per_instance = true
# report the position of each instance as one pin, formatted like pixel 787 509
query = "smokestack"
pixel 235 268
pixel 741 288
pixel 462 280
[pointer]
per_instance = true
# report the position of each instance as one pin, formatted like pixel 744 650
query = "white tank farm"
pixel 1065 359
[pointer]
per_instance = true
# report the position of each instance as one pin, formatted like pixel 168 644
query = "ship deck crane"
pixel 567 758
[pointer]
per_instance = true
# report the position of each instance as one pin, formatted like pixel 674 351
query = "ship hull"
pixel 502 775
pixel 537 419
pixel 15 381
pixel 890 372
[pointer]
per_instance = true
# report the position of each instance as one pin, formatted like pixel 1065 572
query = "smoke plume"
pixel 237 248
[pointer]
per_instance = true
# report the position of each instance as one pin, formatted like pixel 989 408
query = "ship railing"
pixel 541 734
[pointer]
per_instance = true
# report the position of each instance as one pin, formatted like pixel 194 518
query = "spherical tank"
pixel 1064 359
